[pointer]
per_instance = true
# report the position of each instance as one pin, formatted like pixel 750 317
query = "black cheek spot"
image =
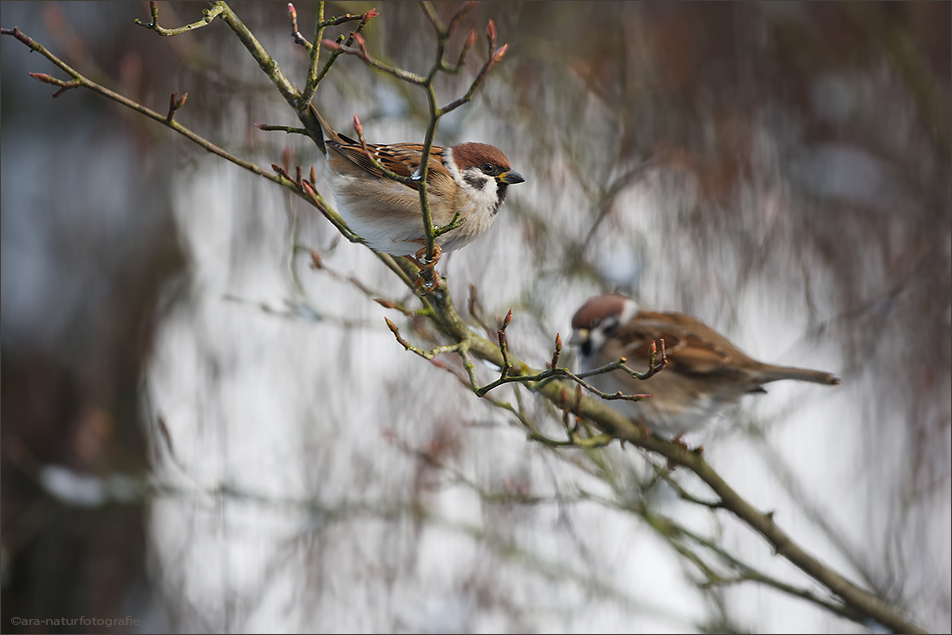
pixel 476 182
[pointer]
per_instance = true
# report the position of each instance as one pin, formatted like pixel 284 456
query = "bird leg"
pixel 419 259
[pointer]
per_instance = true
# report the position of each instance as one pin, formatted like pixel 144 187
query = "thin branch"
pixel 315 53
pixel 313 76
pixel 620 364
pixel 312 196
pixel 270 68
pixel 504 345
pixel 749 574
pixel 288 129
pixel 434 19
pixel 428 355
pixel 402 75
pixel 477 82
pixel 296 36
pixel 209 14
pixel 474 309
pixel 458 16
pixel 81 81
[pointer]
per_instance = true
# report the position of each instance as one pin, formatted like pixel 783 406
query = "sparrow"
pixel 468 178
pixel 704 374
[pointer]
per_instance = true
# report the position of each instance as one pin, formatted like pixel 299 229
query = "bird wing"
pixel 690 347
pixel 400 158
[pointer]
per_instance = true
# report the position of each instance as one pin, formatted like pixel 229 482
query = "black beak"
pixel 510 178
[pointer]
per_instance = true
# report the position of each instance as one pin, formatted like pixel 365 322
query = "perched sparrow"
pixel 469 178
pixel 704 373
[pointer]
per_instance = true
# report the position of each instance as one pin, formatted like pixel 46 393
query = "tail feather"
pixel 776 373
pixel 327 133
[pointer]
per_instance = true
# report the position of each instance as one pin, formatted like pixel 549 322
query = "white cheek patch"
pixel 597 338
pixel 628 311
pixel 486 196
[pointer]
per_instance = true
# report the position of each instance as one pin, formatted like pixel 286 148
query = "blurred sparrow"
pixel 469 178
pixel 704 374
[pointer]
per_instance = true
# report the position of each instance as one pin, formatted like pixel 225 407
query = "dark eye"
pixel 489 168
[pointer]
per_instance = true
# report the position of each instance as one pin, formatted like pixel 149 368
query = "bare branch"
pixel 295 33
pixel 81 81
pixel 313 77
pixel 474 309
pixel 494 59
pixel 209 14
pixel 430 354
pixel 287 129
pixel 434 19
pixel 402 75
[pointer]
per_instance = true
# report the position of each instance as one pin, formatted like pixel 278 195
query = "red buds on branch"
pixel 498 55
pixel 558 351
pixel 175 102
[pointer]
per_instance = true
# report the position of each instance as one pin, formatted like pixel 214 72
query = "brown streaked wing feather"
pixel 400 158
pixel 690 346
